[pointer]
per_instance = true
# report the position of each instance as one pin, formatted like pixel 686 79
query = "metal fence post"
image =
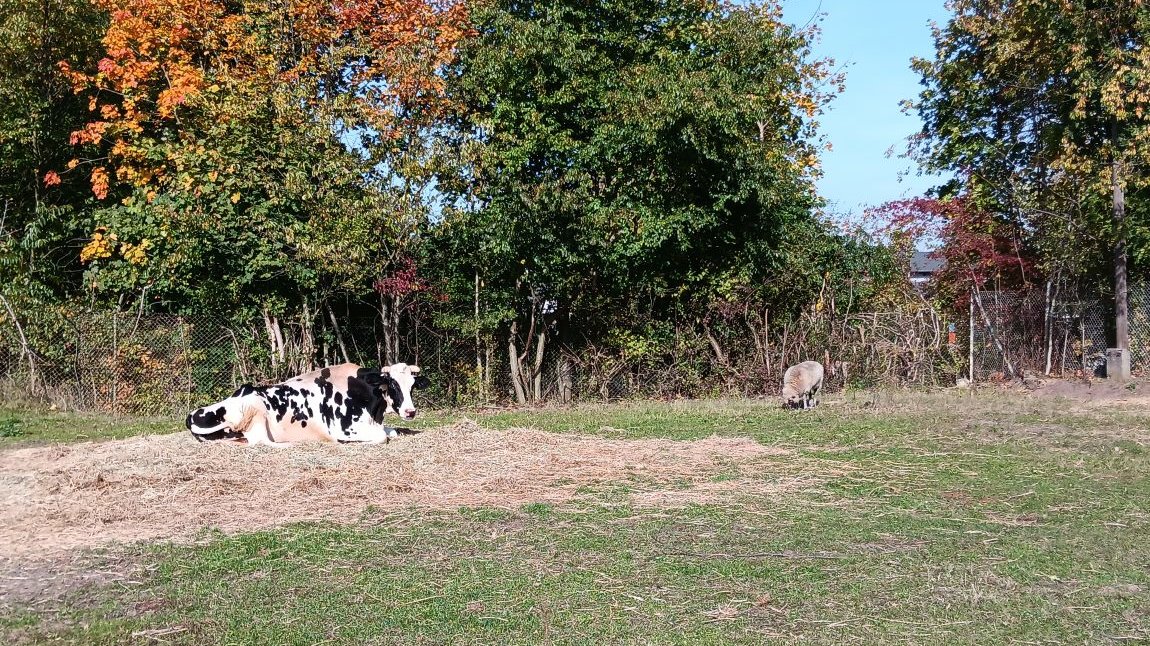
pixel 970 334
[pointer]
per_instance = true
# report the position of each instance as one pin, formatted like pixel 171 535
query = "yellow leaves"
pixel 100 246
pixel 806 104
pixel 136 254
pixel 235 198
pixel 103 245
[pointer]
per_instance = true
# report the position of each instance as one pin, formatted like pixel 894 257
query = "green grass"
pixel 24 427
pixel 946 520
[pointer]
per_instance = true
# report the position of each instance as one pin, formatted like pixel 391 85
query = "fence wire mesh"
pixel 165 365
pixel 1041 331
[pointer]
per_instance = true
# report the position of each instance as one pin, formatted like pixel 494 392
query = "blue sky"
pixel 875 41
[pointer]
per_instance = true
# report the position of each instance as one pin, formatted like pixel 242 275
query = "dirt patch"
pixel 34 582
pixel 1093 393
pixel 59 498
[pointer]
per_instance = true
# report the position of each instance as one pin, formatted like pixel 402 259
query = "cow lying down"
pixel 344 403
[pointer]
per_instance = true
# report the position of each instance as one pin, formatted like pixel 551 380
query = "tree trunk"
pixel 1052 293
pixel 389 314
pixel 993 334
pixel 478 344
pixel 275 339
pixel 513 359
pixel 537 368
pixel 338 333
pixel 305 361
pixel 25 349
pixel 1121 319
pixel 385 318
pixel 564 379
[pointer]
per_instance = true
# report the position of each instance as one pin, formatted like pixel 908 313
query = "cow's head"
pixel 399 380
pixel 223 419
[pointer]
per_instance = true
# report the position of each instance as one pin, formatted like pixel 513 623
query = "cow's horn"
pixel 413 370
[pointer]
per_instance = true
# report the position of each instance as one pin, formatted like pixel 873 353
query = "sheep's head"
pixel 791 398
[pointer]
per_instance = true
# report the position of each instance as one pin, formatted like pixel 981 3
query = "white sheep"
pixel 801 384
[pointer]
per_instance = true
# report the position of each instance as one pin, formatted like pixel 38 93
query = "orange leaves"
pixel 175 69
pixel 100 182
pixel 51 178
pixel 151 69
pixel 92 133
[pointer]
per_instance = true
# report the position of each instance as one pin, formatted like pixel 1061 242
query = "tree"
pixel 258 155
pixel 38 111
pixel 622 160
pixel 1042 105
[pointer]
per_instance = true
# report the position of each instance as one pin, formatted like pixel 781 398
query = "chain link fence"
pixel 1043 332
pixel 165 365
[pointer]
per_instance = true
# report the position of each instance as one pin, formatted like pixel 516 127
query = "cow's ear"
pixel 421 382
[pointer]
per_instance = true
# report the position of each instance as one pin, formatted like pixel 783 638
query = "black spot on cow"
pixel 244 390
pixel 394 395
pixel 362 398
pixel 204 418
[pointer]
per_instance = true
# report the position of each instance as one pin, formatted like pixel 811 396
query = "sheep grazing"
pixel 801 384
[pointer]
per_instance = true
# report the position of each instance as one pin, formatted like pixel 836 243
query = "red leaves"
pixel 403 281
pixel 977 245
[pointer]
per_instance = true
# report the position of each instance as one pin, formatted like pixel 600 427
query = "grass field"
pixel 944 518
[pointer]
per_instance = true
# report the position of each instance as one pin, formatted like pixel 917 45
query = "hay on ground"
pixel 59 498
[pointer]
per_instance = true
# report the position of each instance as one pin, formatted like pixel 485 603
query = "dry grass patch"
pixel 59 498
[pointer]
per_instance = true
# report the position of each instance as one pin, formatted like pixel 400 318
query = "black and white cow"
pixel 344 403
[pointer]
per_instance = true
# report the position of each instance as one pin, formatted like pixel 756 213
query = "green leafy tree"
pixel 623 160
pixel 263 158
pixel 38 112
pixel 1040 106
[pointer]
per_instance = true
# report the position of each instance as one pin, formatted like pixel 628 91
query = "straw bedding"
pixel 59 498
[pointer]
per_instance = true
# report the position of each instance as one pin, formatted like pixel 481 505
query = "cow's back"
pixel 337 375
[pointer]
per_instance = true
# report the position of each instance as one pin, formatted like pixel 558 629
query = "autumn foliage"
pixel 979 248
pixel 172 65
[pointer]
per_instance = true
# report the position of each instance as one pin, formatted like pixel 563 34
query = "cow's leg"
pixel 260 433
pixel 374 435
